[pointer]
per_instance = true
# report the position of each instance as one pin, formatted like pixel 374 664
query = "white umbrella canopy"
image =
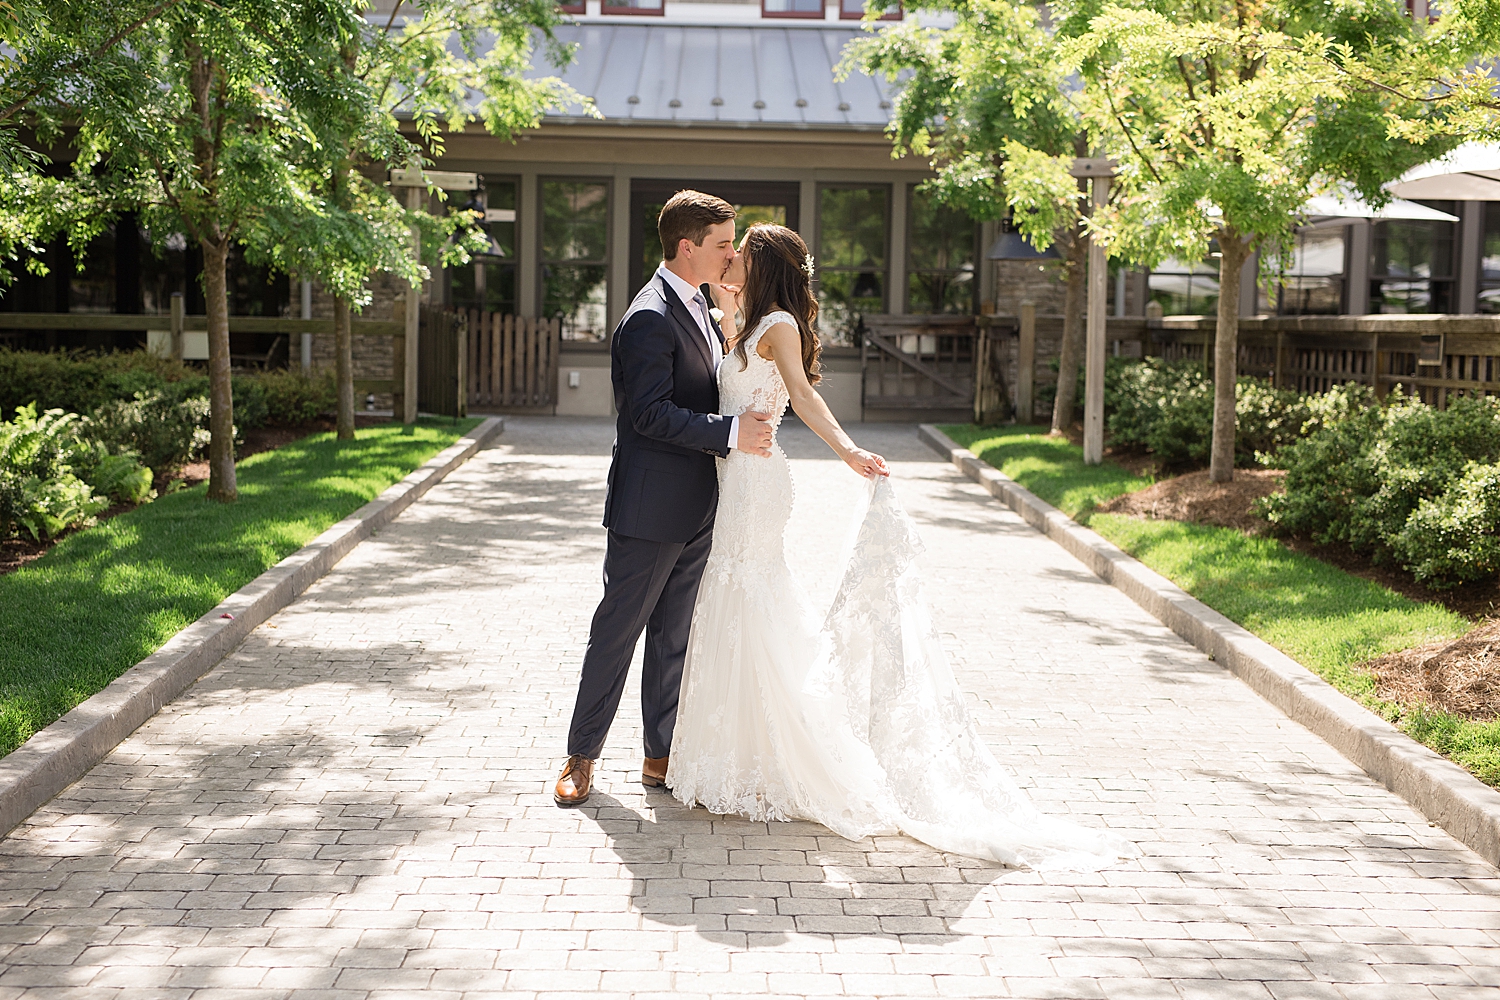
pixel 1328 210
pixel 1469 173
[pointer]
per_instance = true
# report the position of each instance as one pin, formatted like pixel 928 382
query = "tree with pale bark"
pixel 432 68
pixel 198 121
pixel 1226 116
pixel 985 102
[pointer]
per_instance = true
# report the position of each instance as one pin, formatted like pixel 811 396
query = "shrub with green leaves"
pixel 79 383
pixel 84 383
pixel 1168 407
pixel 38 488
pixel 122 478
pixel 1455 537
pixel 1406 482
pixel 293 398
pixel 165 432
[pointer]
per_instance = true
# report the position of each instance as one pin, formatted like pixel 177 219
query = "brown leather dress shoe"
pixel 574 783
pixel 654 772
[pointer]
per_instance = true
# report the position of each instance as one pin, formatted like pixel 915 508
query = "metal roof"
pixel 742 75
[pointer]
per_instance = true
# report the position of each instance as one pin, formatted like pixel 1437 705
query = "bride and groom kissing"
pixel 752 703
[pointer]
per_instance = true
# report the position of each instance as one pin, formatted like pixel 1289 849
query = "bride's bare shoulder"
pixel 780 318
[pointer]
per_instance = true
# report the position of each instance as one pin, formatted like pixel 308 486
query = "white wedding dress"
pixel 857 722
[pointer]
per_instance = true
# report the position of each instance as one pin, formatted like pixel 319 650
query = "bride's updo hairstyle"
pixel 777 278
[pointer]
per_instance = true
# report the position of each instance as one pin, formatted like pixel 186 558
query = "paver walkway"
pixel 355 803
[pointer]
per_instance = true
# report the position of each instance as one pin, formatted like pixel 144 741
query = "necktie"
pixel 708 327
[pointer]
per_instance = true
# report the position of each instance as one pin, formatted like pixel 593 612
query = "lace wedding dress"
pixel 856 722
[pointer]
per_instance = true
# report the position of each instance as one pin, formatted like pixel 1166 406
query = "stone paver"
pixel 354 804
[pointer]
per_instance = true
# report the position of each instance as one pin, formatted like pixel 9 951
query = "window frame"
pixel 581 7
pixel 606 8
pixel 609 243
pixel 977 259
pixel 1441 288
pixel 1273 294
pixel 818 229
pixel 514 264
pixel 820 14
pixel 847 15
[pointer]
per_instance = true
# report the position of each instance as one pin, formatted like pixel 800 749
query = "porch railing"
pixel 1435 357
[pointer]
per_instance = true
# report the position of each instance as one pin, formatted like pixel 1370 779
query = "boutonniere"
pixel 717 314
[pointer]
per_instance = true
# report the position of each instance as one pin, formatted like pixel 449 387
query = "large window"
pixel 575 256
pixel 791 8
pixel 1185 289
pixel 853 234
pixel 1489 264
pixel 940 252
pixel 1308 280
pixel 489 283
pixel 1411 267
pixel 853 10
pixel 632 6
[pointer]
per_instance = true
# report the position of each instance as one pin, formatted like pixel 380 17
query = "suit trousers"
pixel 649 586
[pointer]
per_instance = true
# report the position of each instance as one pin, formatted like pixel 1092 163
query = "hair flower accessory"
pixel 807 265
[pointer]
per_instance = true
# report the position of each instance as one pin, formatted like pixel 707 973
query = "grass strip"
pixel 1324 618
pixel 107 597
pixel 1050 467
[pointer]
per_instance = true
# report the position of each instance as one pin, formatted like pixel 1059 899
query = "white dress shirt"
pixel 697 307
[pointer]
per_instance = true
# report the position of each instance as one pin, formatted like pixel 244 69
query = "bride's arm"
pixel 783 345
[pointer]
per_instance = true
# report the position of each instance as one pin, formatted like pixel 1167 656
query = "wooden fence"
pixel 512 361
pixel 1437 358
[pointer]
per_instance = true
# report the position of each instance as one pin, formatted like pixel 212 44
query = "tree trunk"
pixel 1071 351
pixel 343 350
pixel 1234 252
pixel 221 480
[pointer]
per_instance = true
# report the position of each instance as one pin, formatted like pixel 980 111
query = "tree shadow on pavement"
pixel 751 885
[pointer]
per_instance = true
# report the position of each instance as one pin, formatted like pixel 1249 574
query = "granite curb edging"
pixel 63 752
pixel 1445 793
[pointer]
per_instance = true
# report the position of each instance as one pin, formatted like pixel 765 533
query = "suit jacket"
pixel 663 483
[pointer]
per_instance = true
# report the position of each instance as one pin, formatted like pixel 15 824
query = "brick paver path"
pixel 355 803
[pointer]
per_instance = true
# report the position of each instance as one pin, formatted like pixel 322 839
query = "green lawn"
pixel 1324 618
pixel 107 597
pixel 1050 467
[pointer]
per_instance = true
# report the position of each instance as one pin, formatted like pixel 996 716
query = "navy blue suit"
pixel 663 490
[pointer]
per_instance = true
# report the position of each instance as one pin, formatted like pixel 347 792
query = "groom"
pixel 663 487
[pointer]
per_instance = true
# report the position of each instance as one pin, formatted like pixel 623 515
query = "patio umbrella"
pixel 1327 210
pixel 1469 173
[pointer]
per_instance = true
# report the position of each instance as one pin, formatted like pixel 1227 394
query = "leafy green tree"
pixel 432 68
pixel 46 47
pixel 986 102
pixel 199 119
pixel 1225 117
pixel 1451 67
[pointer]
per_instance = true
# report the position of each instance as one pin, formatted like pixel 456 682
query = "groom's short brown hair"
pixel 688 215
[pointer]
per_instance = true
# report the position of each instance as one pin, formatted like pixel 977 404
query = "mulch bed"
pixel 17 552
pixel 1196 499
pixel 1461 676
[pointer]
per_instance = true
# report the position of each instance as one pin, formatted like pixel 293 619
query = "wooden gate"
pixel 919 362
pixel 440 363
pixel 513 362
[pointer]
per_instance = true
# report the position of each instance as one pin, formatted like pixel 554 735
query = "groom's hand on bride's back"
pixel 755 433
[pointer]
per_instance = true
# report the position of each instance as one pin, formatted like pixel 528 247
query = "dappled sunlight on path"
pixel 357 800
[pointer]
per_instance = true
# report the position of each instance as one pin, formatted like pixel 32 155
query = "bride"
pixel 855 722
